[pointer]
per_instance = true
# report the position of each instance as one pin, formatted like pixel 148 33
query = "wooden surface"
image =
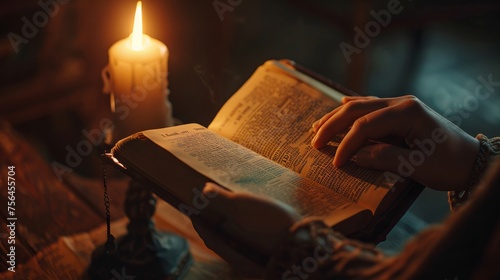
pixel 47 208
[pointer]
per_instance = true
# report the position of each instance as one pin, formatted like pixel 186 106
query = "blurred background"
pixel 50 75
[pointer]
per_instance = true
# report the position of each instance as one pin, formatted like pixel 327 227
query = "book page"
pixel 272 114
pixel 242 170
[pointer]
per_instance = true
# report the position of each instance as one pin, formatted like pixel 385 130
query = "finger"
pixel 317 124
pixel 213 190
pixel 414 164
pixel 381 156
pixel 233 204
pixel 392 140
pixel 344 118
pixel 375 125
pixel 219 198
pixel 347 99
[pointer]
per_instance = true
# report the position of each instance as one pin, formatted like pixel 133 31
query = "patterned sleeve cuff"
pixel 313 250
pixel 488 150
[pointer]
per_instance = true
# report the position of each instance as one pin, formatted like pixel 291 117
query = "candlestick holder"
pixel 144 252
pixel 136 79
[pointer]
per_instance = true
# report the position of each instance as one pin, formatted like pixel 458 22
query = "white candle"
pixel 138 82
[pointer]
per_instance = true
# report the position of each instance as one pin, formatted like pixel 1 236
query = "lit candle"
pixel 137 74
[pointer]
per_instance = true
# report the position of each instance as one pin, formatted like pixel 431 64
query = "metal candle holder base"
pixel 143 253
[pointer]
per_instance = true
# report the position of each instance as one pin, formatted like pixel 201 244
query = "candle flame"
pixel 137 31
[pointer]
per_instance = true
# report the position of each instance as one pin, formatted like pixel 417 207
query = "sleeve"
pixel 489 149
pixel 314 251
pixel 465 246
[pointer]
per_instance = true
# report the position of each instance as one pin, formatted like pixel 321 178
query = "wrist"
pixel 488 149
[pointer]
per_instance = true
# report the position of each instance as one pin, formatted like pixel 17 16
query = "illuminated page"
pixel 242 170
pixel 272 114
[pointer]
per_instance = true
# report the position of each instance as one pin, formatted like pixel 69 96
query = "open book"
pixel 259 142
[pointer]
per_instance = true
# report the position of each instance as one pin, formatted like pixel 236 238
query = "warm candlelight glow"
pixel 137 31
pixel 136 79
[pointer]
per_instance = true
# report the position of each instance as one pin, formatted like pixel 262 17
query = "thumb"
pixel 383 157
pixel 212 190
pixel 220 198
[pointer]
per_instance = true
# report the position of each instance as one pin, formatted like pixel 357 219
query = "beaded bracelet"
pixel 486 150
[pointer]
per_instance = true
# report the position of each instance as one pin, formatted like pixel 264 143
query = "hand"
pixel 428 149
pixel 258 222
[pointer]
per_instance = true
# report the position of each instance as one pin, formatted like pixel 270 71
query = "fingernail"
pixel 315 126
pixel 208 188
pixel 209 191
pixel 335 163
pixel 313 141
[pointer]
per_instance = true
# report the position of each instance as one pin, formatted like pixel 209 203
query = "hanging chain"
pixel 110 245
